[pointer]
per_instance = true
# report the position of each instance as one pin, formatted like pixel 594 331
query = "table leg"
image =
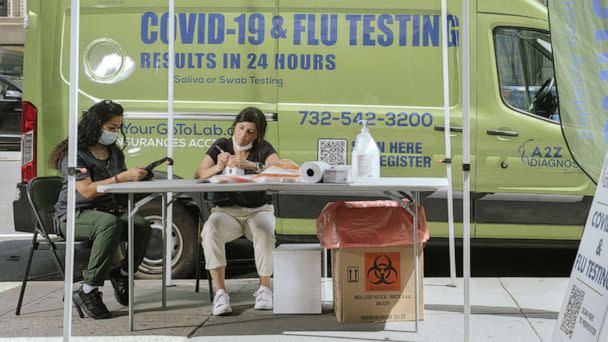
pixel 326 287
pixel 130 257
pixel 416 294
pixel 164 233
pixel 168 219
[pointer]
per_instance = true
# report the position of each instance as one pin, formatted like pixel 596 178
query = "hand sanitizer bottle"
pixel 365 157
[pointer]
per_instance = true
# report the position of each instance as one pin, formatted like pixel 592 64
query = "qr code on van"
pixel 332 151
pixel 572 310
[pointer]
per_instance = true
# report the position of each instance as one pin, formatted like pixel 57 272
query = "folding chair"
pixel 204 211
pixel 42 193
pixel 204 206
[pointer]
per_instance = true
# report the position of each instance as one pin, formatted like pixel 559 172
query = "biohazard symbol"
pixel 382 271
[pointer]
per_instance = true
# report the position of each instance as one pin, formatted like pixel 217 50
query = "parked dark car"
pixel 10 114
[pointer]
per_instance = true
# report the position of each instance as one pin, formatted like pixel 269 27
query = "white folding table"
pixel 391 187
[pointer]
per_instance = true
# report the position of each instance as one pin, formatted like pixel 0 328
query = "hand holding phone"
pixel 133 174
pixel 154 164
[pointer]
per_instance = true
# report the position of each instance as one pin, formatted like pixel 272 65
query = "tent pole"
pixel 466 162
pixel 72 153
pixel 170 124
pixel 448 147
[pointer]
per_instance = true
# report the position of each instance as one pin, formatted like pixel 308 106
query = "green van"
pixel 316 69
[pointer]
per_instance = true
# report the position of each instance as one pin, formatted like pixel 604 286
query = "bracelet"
pixel 116 180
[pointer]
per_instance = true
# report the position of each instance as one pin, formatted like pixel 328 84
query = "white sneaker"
pixel 221 303
pixel 263 298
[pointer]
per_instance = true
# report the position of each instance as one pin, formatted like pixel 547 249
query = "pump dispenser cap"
pixel 364 129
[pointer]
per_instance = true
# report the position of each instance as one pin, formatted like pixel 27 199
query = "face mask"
pixel 107 137
pixel 239 147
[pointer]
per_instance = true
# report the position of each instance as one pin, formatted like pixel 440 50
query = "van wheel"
pixel 185 240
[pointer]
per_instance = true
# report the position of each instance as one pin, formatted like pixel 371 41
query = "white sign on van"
pixel 583 313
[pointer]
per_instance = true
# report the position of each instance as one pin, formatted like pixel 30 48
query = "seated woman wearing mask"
pixel 236 214
pixel 98 216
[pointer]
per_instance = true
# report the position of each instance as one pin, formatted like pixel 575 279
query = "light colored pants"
pixel 229 223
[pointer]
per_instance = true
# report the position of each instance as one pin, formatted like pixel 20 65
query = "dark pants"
pixel 106 231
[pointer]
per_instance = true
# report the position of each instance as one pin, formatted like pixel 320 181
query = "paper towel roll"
pixel 312 172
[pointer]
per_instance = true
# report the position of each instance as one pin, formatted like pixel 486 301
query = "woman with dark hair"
pixel 235 214
pixel 99 217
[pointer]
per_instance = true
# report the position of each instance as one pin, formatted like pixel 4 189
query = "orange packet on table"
pixel 283 171
pixel 288 165
pixel 227 179
pixel 276 177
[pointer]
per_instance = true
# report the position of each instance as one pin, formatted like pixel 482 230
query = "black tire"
pixel 185 241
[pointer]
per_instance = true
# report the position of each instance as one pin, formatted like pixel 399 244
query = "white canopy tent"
pixel 73 139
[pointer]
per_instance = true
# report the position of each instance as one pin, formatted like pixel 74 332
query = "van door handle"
pixel 502 133
pixel 452 129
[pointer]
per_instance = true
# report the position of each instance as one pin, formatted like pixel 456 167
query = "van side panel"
pixel 380 65
pixel 320 69
pixel 316 69
pixel 523 8
pixel 527 180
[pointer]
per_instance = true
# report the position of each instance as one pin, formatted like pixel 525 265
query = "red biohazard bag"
pixel 368 224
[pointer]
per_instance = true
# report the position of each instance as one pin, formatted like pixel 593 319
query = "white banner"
pixel 580 42
pixel 583 313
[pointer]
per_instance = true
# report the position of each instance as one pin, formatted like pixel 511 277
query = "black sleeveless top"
pixel 249 199
pixel 97 170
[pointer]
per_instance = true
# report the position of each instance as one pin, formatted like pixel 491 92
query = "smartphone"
pixel 154 164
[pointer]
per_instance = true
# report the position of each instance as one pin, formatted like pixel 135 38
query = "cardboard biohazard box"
pixel 376 284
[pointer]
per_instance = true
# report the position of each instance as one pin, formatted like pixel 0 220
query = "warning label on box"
pixel 352 274
pixel 382 271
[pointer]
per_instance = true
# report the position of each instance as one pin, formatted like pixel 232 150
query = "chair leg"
pixel 206 213
pixel 53 251
pixel 27 272
pixel 56 259
pixel 210 286
pixel 198 267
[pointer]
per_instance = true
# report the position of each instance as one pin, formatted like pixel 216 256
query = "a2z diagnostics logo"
pixel 383 271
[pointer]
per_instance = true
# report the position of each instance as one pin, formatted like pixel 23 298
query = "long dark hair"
pixel 89 129
pixel 255 115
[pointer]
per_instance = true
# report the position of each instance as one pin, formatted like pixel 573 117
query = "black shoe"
pixel 121 286
pixel 91 303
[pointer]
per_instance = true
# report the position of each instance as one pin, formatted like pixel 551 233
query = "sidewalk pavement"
pixel 504 309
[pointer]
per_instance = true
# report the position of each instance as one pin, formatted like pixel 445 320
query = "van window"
pixel 525 71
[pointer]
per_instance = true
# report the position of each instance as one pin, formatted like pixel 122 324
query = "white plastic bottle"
pixel 365 157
